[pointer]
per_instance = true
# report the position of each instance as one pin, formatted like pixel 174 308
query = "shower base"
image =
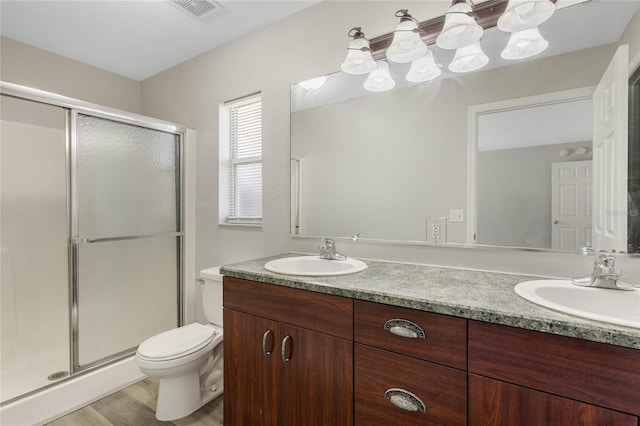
pixel 69 395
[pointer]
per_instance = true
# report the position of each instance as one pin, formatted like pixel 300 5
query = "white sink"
pixel 612 306
pixel 314 266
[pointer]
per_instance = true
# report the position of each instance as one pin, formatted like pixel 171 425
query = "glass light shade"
pixel 407 44
pixel 469 58
pixel 522 14
pixel 423 69
pixel 380 80
pixel 358 61
pixel 459 28
pixel 314 83
pixel 524 44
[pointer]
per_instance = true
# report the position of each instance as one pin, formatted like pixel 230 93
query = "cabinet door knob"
pixel 286 352
pixel 267 343
pixel 404 399
pixel 404 328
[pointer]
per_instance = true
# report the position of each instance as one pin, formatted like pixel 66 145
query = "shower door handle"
pixel 78 240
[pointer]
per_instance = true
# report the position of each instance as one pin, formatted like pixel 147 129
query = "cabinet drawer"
pixel 443 390
pixel 596 373
pixel 441 338
pixel 314 311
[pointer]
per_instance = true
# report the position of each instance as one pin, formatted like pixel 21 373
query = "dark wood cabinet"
pixel 297 357
pixel 279 373
pixel 521 374
pixel 497 403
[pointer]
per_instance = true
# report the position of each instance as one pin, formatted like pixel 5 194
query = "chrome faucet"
pixel 604 275
pixel 328 250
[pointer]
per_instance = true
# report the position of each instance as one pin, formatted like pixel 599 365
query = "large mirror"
pixel 504 156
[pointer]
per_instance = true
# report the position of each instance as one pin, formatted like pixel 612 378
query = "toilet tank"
pixel 212 294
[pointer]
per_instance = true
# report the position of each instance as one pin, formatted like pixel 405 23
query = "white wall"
pixel 308 44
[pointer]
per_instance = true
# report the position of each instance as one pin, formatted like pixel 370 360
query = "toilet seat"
pixel 177 343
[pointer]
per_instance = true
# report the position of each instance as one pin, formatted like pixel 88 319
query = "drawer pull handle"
pixel 405 400
pixel 286 353
pixel 404 328
pixel 267 340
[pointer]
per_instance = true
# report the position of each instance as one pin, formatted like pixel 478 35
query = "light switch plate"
pixel 456 215
pixel 436 229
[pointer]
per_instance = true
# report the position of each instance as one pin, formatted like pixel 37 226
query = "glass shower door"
pixel 126 236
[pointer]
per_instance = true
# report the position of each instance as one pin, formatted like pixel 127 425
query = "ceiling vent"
pixel 197 8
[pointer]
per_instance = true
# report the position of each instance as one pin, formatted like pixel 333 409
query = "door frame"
pixel 473 114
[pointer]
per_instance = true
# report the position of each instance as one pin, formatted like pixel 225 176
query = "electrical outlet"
pixel 436 229
pixel 456 215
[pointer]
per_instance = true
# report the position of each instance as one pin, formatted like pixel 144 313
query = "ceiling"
pixel 135 38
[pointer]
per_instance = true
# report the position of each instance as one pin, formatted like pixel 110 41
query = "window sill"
pixel 240 225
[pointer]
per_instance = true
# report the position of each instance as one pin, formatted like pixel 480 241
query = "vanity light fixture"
pixel 524 44
pixel 407 44
pixel 460 27
pixel 359 59
pixel 380 80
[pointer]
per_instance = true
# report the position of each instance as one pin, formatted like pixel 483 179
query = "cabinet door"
pixel 316 378
pixel 250 370
pixel 492 402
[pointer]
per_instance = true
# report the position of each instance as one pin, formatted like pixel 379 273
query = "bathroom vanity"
pixel 416 345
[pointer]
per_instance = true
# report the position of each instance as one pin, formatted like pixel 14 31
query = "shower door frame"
pixel 72 108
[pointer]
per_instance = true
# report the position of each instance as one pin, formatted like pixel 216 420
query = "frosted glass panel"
pixel 126 179
pixel 128 292
pixel 34 311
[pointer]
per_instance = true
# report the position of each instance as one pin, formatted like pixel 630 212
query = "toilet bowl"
pixel 188 360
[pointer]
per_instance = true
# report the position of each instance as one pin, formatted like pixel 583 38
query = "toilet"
pixel 188 360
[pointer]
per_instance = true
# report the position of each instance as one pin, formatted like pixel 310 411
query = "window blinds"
pixel 245 179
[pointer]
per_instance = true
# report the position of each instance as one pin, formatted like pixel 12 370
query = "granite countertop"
pixel 476 295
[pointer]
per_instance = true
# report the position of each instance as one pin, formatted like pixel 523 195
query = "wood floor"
pixel 135 406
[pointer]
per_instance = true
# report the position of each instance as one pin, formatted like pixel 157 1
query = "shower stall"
pixel 92 237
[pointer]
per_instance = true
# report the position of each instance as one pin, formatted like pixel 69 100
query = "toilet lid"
pixel 177 342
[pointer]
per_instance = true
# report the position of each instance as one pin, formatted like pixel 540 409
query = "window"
pixel 241 161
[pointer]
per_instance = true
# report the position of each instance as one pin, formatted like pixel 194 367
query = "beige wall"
pixel 28 66
pixel 514 193
pixel 631 36
pixel 308 44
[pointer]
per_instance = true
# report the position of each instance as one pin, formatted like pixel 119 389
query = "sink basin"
pixel 612 306
pixel 314 266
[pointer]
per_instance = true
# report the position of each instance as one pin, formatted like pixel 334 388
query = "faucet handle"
pixel 606 259
pixel 605 263
pixel 327 243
